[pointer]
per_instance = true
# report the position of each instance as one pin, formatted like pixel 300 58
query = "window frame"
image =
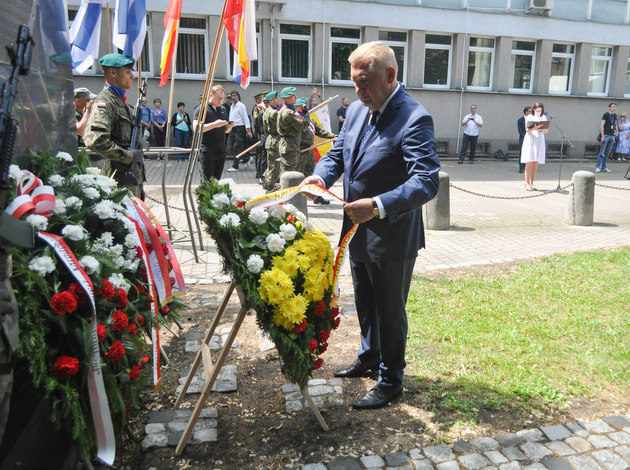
pixel 202 32
pixel 230 52
pixel 403 44
pixel 608 59
pixel 298 37
pixel 331 40
pixel 492 50
pixel 532 71
pixel 442 47
pixel 565 55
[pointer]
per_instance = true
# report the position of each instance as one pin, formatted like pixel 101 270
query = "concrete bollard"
pixel 581 199
pixel 294 178
pixel 439 208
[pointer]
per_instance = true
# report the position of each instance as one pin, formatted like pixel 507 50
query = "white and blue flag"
pixel 130 26
pixel 85 34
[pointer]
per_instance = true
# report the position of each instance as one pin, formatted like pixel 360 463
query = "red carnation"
pixel 319 308
pixel 120 321
pixel 134 373
pixel 335 323
pixel 301 327
pixel 139 252
pixel 149 247
pixel 121 298
pixel 240 204
pixel 312 346
pixel 140 320
pixel 140 288
pixel 78 292
pixel 318 363
pixel 133 329
pixel 332 315
pixel 172 281
pixel 165 248
pixel 324 335
pixel 322 348
pixel 145 359
pixel 101 331
pixel 291 218
pixel 116 352
pixel 166 310
pixel 107 291
pixel 63 303
pixel 65 367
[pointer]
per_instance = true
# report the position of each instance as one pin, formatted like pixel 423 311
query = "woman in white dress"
pixel 534 149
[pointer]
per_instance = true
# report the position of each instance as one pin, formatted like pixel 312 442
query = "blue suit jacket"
pixel 520 125
pixel 398 164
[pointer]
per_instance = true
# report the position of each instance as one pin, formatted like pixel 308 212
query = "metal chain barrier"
pixel 611 187
pixel 510 197
pixel 162 203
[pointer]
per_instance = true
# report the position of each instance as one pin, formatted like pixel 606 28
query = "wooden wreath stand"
pixel 212 370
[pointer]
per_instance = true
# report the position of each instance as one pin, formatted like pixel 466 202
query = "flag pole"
pixel 322 104
pixel 170 96
pixel 109 29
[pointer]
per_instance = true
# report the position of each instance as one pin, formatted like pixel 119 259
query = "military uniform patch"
pixel 101 104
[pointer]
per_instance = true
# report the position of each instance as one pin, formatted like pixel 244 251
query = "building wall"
pixel 577 113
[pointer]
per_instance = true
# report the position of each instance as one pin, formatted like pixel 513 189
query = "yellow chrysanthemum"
pixel 315 284
pixel 275 286
pixel 290 312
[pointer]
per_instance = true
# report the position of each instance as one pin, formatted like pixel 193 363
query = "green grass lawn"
pixel 553 329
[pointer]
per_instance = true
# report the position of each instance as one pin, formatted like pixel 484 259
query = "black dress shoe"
pixel 356 369
pixel 378 397
pixel 321 200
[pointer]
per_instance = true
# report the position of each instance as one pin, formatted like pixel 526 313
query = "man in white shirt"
pixel 240 119
pixel 472 122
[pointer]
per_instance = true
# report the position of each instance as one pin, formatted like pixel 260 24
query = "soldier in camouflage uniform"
pixel 290 127
pixel 270 128
pixel 307 139
pixel 8 336
pixel 111 123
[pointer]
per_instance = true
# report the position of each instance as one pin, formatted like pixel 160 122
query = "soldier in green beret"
pixel 290 126
pixel 111 123
pixel 270 128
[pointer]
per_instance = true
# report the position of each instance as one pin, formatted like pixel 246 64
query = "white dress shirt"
pixel 238 115
pixel 472 128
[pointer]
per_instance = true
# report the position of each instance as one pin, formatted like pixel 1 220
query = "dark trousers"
pixel 181 140
pixel 380 291
pixel 261 161
pixel 213 162
pixel 236 142
pixel 472 140
pixel 158 137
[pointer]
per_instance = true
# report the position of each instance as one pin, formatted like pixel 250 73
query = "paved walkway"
pixel 483 230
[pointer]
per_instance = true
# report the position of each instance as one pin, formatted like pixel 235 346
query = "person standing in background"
pixel 623 147
pixel 520 125
pixel 608 129
pixel 146 120
pixel 472 122
pixel 341 112
pixel 158 119
pixel 182 127
pixel 242 127
pixel 534 149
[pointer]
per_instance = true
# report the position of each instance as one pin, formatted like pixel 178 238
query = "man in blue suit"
pixel 520 125
pixel 386 152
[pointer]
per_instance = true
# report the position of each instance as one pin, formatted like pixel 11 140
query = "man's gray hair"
pixel 379 55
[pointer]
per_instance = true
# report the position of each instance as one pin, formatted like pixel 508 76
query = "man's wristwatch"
pixel 375 211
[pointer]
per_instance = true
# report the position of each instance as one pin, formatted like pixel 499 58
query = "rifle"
pixel 136 170
pixel 13 231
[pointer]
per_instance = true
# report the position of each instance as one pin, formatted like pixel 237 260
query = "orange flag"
pixel 171 20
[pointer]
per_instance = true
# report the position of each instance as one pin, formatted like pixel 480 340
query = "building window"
pixel 254 71
pixel 480 63
pixel 437 61
pixel 561 75
pixel 522 66
pixel 397 40
pixel 192 50
pixel 295 52
pixel 342 42
pixel 599 77
pixel 627 92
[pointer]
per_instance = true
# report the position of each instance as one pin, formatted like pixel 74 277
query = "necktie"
pixel 368 130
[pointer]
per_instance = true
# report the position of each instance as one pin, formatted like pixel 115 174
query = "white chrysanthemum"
pixel 55 180
pixel 308 226
pixel 131 254
pixel 275 242
pixel 131 241
pixel 74 202
pixel 131 264
pixel 64 156
pixel 107 238
pixel 91 193
pixel 290 208
pixel 230 220
pixel 73 232
pixel 228 181
pixel 116 250
pixel 242 196
pixel 288 231
pixel 39 222
pixel 89 263
pixel 254 264
pixel 258 215
pixel 105 209
pixel 119 262
pixel 42 265
pixel 60 207
pixel 278 211
pixel 299 215
pixel 220 200
pixel 104 183
pixel 129 225
pixel 93 170
pixel 119 282
pixel 15 172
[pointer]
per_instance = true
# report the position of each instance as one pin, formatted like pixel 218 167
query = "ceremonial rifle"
pixel 136 167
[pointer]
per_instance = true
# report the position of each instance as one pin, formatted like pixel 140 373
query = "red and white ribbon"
pixel 105 438
pixel 41 201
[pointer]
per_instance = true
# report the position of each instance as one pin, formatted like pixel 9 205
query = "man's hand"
pixel 249 133
pixel 137 156
pixel 360 210
pixel 312 180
